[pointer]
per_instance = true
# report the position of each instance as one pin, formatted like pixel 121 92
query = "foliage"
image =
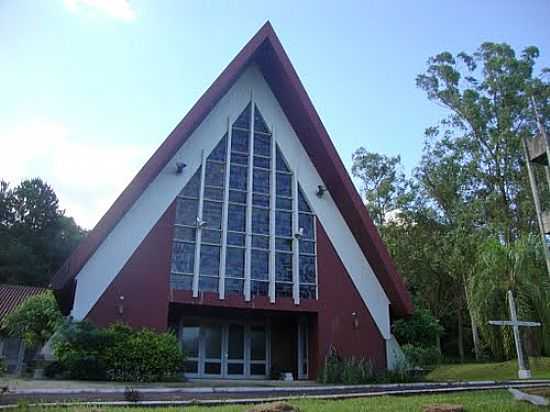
pixel 487 94
pixel 355 371
pixel 79 348
pixel 421 356
pixel 35 235
pixel 117 353
pixel 468 198
pixel 53 370
pixel 143 356
pixel 382 182
pixel 518 266
pixel 34 320
pixel 420 329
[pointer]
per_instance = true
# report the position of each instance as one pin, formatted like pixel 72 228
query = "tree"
pixel 35 205
pixel 487 96
pixel 472 169
pixel 469 189
pixel 35 320
pixel 35 235
pixel 382 183
pixel 421 329
pixel 6 208
pixel 519 267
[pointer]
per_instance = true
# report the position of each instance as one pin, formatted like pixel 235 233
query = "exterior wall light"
pixel 121 305
pixel 320 190
pixel 179 167
pixel 355 320
pixel 201 224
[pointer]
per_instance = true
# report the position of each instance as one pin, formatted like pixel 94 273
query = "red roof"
pixel 266 51
pixel 12 296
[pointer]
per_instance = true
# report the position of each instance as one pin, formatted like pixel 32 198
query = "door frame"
pixel 303 348
pixel 224 325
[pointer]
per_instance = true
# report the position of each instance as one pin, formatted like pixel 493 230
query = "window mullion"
pixel 315 260
pixel 199 229
pixel 295 241
pixel 248 237
pixel 225 210
pixel 273 203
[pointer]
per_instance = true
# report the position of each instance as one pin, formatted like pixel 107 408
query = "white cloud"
pixel 119 9
pixel 87 176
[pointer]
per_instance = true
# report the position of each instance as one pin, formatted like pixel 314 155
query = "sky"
pixel 90 88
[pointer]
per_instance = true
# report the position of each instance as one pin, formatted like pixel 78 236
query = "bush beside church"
pixel 117 353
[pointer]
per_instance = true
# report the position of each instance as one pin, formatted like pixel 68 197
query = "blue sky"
pixel 89 88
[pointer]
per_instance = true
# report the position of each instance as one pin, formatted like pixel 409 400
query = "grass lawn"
pixel 487 401
pixel 540 367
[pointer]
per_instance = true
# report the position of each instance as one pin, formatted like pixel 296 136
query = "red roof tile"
pixel 12 296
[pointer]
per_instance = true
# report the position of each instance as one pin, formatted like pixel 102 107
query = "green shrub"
pixel 356 371
pixel 422 328
pixel 143 355
pixel 53 370
pixel 331 371
pixel 80 349
pixel 117 353
pixel 419 356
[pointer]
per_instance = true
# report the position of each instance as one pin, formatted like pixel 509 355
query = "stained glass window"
pixel 216 254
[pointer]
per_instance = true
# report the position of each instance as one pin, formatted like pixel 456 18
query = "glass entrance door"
pixel 235 361
pixel 212 339
pixel 190 342
pixel 229 349
pixel 258 351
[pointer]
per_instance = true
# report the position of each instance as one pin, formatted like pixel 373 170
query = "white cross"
pixel 523 372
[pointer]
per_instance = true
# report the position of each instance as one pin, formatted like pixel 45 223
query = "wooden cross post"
pixel 523 366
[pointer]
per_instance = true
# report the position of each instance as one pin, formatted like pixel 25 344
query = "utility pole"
pixel 537 153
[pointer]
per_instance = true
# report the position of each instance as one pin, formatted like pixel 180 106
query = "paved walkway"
pixel 210 395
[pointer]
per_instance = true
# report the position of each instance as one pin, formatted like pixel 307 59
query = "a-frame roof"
pixel 266 51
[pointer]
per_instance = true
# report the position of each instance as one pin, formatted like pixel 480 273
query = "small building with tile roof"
pixel 12 349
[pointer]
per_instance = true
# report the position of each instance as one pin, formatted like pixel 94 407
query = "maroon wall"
pixel 144 282
pixel 338 299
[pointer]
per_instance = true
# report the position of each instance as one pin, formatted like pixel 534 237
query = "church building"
pixel 245 235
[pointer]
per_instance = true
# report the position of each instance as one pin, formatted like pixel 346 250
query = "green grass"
pixel 487 401
pixel 540 368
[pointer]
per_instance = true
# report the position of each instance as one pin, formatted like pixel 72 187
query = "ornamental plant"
pixel 117 353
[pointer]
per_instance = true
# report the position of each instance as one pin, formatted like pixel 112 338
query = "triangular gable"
pixel 265 50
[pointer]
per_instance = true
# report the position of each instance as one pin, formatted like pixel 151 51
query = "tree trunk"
pixel 460 336
pixel 475 338
pixel 438 343
pixel 475 330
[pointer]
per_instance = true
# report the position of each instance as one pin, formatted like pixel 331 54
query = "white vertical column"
pixel 248 240
pixel 223 251
pixel 199 229
pixel 295 241
pixel 315 251
pixel 273 205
